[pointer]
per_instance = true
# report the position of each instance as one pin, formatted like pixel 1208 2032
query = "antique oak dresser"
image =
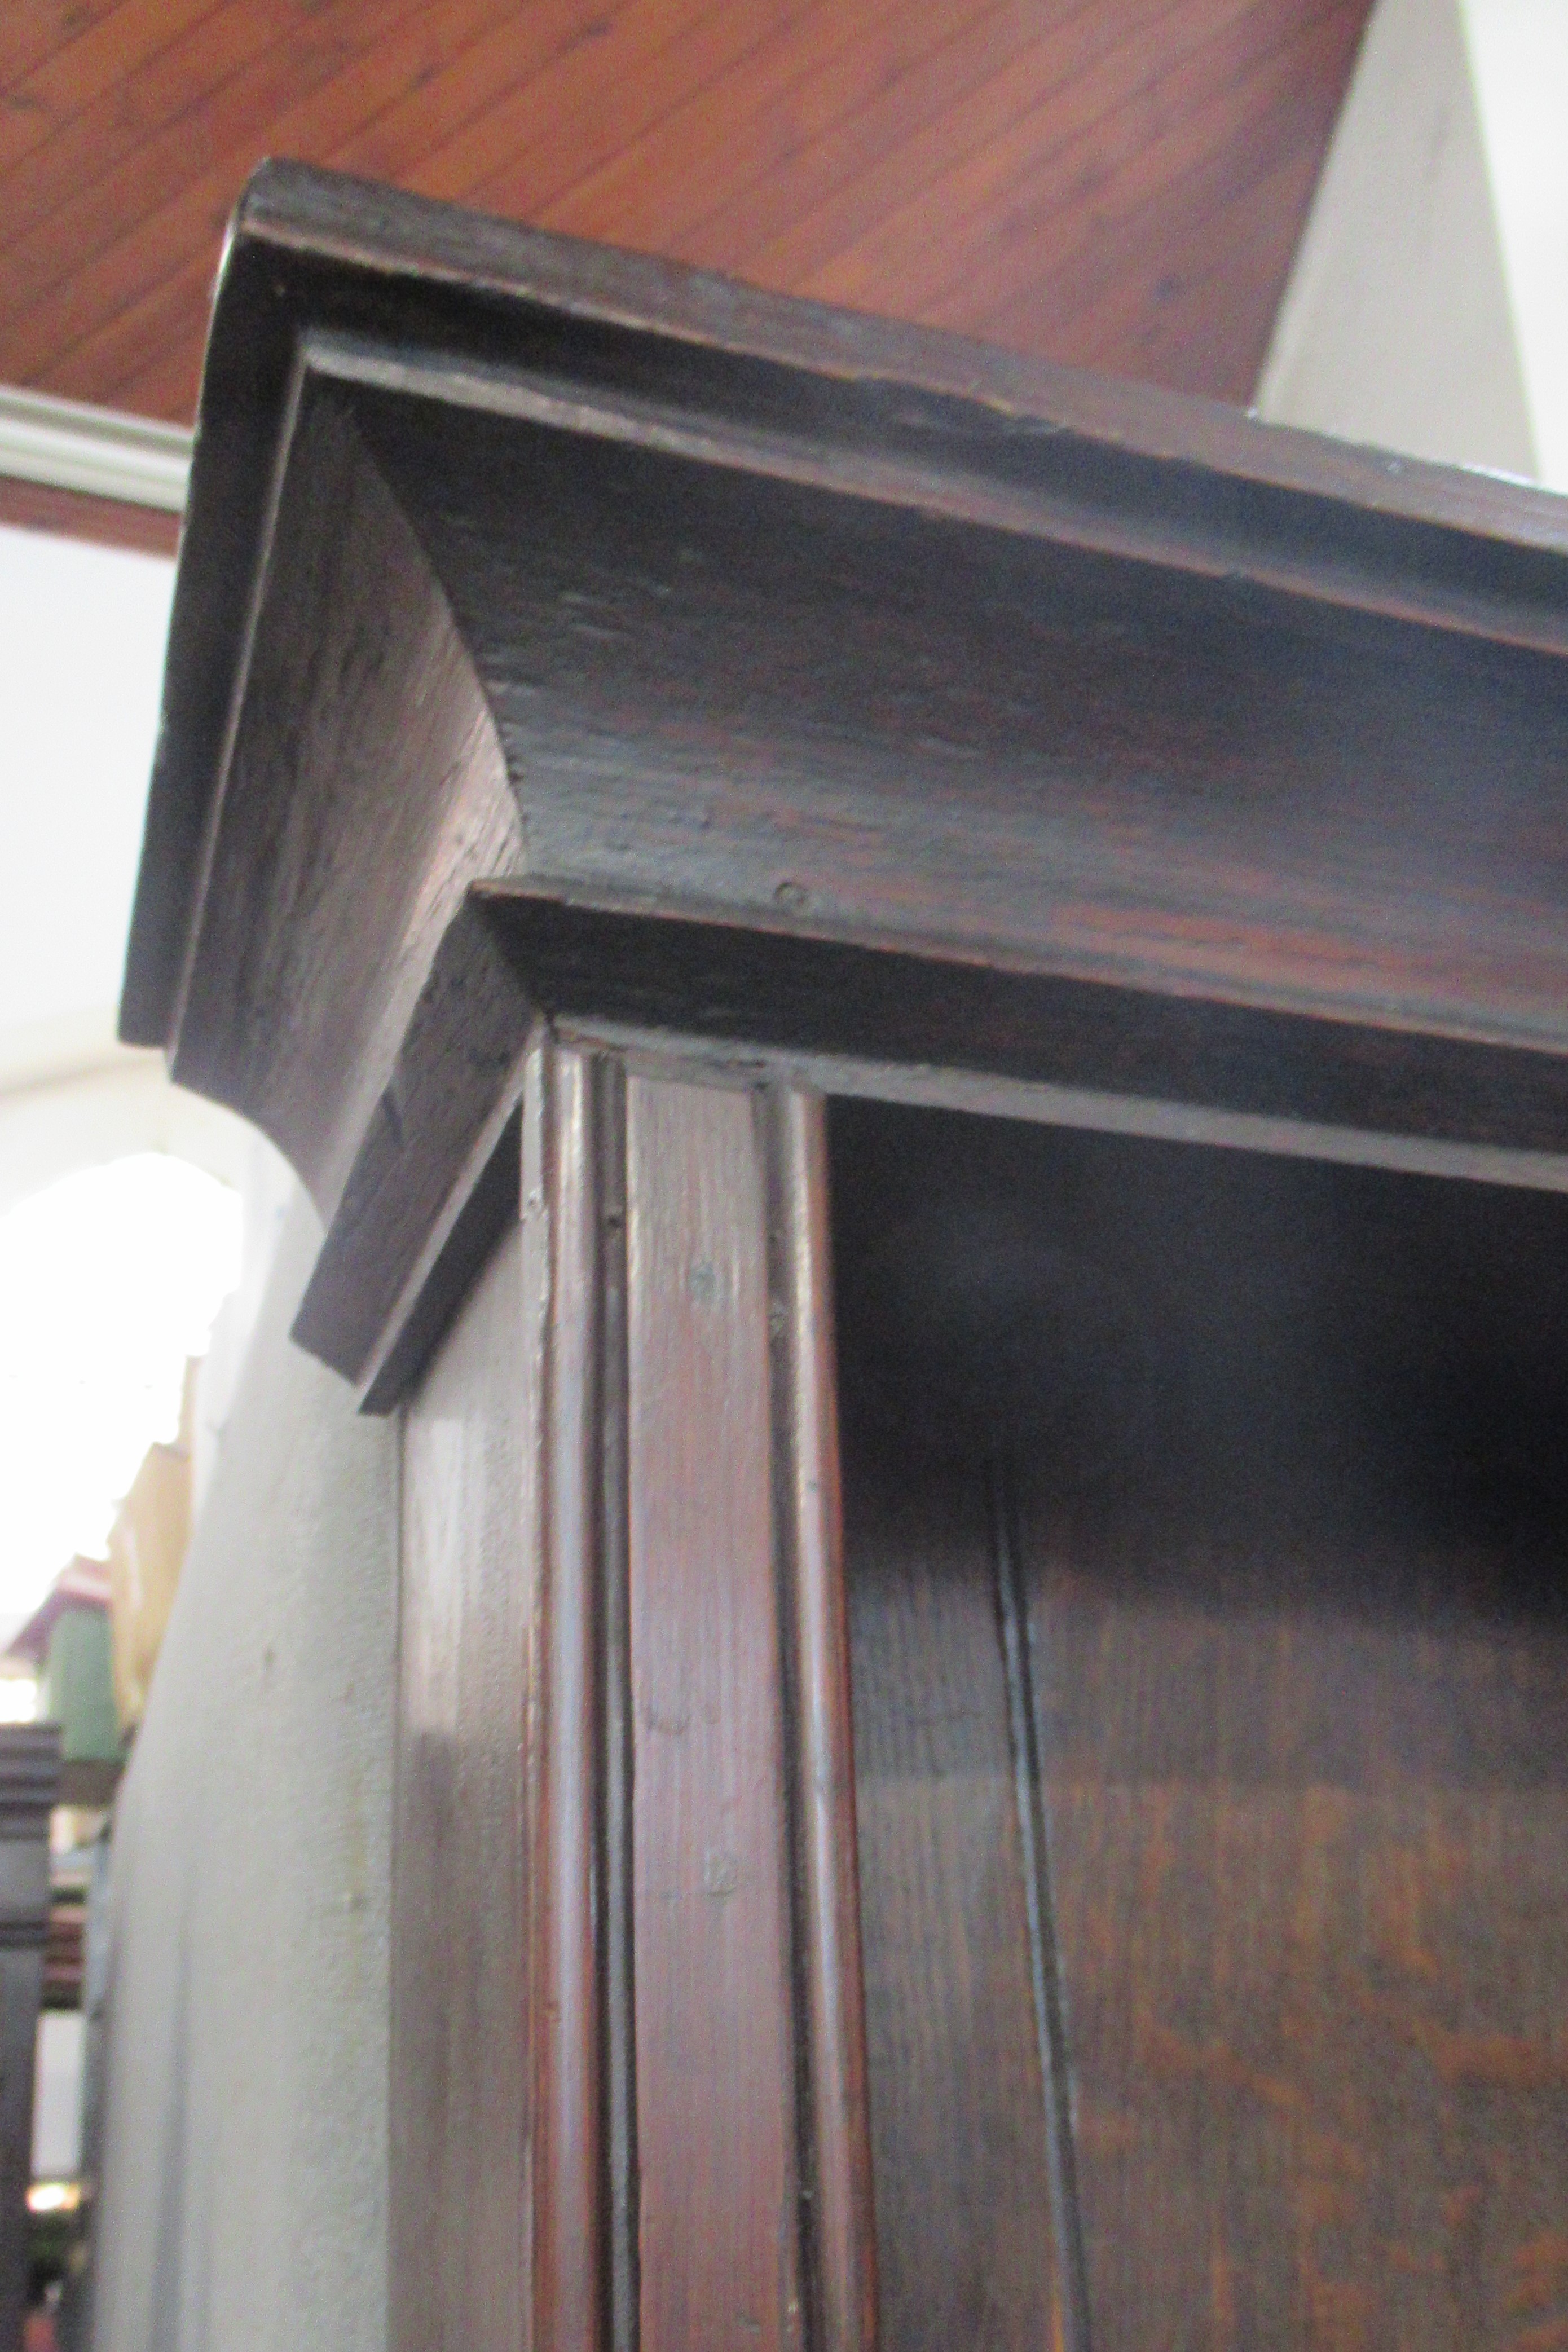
pixel 926 1002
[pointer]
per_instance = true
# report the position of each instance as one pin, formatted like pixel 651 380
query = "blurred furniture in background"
pixel 68 1641
pixel 29 1781
pixel 147 1546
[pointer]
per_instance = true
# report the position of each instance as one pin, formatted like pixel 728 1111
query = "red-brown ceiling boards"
pixel 1118 184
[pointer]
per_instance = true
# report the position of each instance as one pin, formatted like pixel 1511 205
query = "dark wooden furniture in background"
pixel 29 1772
pixel 770 873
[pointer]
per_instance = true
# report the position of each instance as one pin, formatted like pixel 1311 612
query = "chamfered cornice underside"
pixel 325 275
pixel 514 563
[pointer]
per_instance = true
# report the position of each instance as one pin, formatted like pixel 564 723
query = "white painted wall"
pixel 1518 56
pixel 82 634
pixel 243 2187
pixel 1396 326
pixel 82 631
pixel 243 2198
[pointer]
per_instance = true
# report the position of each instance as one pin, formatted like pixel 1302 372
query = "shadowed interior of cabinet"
pixel 1204 1519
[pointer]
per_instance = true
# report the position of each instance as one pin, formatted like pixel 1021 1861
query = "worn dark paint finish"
pixel 481 1205
pixel 1149 731
pixel 782 988
pixel 430 1142
pixel 980 583
pixel 363 791
pixel 970 727
pixel 462 1992
pixel 428 1189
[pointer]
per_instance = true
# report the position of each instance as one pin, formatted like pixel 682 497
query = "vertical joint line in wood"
pixel 560 1282
pixel 781 1386
pixel 617 1954
pixel 583 2223
pixel 1045 1966
pixel 832 2140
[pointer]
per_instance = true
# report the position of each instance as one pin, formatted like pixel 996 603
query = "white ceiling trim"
pixel 100 452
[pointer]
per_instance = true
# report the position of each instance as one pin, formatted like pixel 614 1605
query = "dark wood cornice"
pixel 1218 772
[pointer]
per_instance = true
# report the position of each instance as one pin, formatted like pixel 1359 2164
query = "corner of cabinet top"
pixel 521 574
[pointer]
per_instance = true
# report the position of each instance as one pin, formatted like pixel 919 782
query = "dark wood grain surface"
pixel 439 1157
pixel 1312 1867
pixel 561 637
pixel 716 2127
pixel 989 590
pixel 462 1994
pixel 1063 683
pixel 964 2243
pixel 973 728
pixel 365 794
pixel 436 1177
pixel 560 1369
pixel 626 1675
pixel 839 2225
pixel 1288 1510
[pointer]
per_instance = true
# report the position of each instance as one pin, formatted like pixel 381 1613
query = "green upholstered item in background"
pixel 76 1689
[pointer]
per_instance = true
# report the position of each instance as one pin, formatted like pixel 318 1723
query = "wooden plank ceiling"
pixel 1114 182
